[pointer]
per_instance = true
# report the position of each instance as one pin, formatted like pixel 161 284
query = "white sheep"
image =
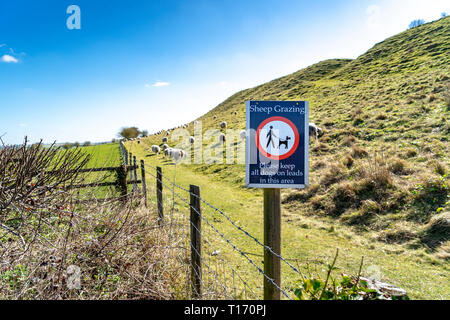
pixel 165 140
pixel 168 152
pixel 191 139
pixel 156 149
pixel 315 131
pixel 235 113
pixel 165 146
pixel 223 124
pixel 177 154
pixel 243 134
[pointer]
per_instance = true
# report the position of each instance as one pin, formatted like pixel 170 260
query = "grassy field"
pixel 104 155
pixel 378 176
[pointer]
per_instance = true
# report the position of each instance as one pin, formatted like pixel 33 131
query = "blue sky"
pixel 158 64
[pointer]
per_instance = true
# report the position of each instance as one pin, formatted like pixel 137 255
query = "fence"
pixel 212 273
pixel 121 182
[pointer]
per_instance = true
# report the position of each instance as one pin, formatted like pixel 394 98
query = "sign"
pixel 277 144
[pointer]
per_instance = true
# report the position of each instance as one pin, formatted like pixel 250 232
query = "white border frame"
pixel 247 152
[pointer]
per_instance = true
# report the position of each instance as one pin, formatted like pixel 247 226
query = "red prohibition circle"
pixel 294 129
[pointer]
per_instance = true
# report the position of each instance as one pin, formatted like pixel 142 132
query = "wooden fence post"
pixel 196 241
pixel 272 239
pixel 130 162
pixel 135 186
pixel 159 194
pixel 122 180
pixel 144 184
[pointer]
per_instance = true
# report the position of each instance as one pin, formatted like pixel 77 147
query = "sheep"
pixel 235 113
pixel 314 130
pixel 222 138
pixel 165 140
pixel 167 152
pixel 156 149
pixel 191 139
pixel 215 117
pixel 165 146
pixel 243 134
pixel 195 122
pixel 177 154
pixel 223 124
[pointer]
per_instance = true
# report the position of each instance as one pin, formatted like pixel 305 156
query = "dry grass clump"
pixel 437 231
pixel 364 214
pixel 381 116
pixel 358 152
pixel 409 153
pixel 348 141
pixel 97 252
pixel 439 167
pixel 399 166
pixel 303 195
pixel 335 173
pixel 348 161
pixel 399 235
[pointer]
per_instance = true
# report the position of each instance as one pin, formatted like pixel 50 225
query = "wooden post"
pixel 272 239
pixel 144 184
pixel 159 194
pixel 196 242
pixel 135 187
pixel 122 180
pixel 130 162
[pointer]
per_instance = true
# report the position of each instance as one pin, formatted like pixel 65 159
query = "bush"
pixel 416 23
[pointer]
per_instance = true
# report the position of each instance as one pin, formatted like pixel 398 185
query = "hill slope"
pixel 380 169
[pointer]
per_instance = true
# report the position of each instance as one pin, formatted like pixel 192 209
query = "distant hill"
pixel 383 161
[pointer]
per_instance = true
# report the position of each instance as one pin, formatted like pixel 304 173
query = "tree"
pixel 144 133
pixel 129 132
pixel 416 23
pixel 67 145
pixel 86 144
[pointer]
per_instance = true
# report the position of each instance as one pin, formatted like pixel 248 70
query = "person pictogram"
pixel 270 135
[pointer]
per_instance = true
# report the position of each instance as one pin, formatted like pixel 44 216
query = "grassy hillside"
pixel 378 175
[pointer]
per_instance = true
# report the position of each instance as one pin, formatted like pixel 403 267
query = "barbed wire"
pixel 235 225
pixel 203 237
pixel 222 236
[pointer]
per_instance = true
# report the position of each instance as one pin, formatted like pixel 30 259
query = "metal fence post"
pixel 159 194
pixel 196 241
pixel 144 184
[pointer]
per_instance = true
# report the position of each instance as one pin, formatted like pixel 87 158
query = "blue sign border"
pixel 250 141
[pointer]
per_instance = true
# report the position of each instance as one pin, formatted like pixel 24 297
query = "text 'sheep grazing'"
pixel 277 108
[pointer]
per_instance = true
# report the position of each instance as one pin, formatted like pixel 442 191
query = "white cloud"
pixel 8 59
pixel 159 84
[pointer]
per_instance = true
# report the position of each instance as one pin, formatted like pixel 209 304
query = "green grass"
pixel 378 175
pixel 104 155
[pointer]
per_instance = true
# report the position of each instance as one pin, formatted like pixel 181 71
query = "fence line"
pixel 172 186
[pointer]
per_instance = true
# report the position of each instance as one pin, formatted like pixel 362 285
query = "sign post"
pixel 276 157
